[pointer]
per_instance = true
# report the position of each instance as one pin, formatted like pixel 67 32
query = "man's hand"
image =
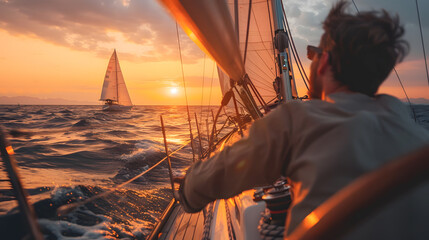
pixel 180 197
pixel 180 181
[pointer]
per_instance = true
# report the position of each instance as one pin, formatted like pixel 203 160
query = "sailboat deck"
pixel 182 225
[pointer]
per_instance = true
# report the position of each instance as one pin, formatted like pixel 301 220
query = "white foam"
pixel 99 231
pixel 60 193
pixel 144 149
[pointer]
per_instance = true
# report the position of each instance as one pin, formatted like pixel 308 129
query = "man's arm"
pixel 256 160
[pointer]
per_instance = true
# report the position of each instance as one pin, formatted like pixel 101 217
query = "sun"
pixel 174 90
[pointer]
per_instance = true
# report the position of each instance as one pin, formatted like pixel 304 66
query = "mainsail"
pixel 114 87
pixel 208 23
pixel 259 58
pixel 221 28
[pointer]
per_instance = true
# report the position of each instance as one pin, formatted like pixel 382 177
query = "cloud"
pixel 144 28
pixel 305 18
pixel 146 32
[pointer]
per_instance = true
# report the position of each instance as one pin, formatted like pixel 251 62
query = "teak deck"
pixel 182 225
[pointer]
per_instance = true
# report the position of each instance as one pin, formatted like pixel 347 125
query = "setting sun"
pixel 174 90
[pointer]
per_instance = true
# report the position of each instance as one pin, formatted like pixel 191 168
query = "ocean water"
pixel 71 153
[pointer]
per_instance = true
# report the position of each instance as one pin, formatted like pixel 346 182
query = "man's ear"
pixel 323 63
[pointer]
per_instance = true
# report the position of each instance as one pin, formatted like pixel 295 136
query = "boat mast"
pixel 116 74
pixel 281 43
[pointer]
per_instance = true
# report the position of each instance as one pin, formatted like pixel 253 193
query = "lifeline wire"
pixel 294 51
pixel 202 87
pixel 70 207
pixel 247 32
pixel 272 36
pixel 210 95
pixel 186 95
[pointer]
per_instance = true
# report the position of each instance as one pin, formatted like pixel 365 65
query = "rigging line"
pixel 353 1
pixel 272 35
pixel 294 51
pixel 258 67
pixel 262 51
pixel 406 95
pixel 299 68
pixel 272 100
pixel 261 84
pixel 258 94
pixel 202 87
pixel 423 43
pixel 399 79
pixel 183 73
pixel 234 99
pixel 247 32
pixel 70 207
pixel 271 70
pixel 210 95
pixel 259 32
pixel 260 81
pixel 186 95
pixel 237 30
pixel 241 104
pixel 259 50
pixel 255 2
pixel 262 88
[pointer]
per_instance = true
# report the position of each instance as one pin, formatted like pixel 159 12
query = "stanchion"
pixel 168 156
pixel 11 167
pixel 199 138
pixel 214 122
pixel 208 133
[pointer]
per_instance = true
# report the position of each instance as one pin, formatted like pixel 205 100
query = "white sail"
pixel 208 23
pixel 211 25
pixel 114 87
pixel 260 63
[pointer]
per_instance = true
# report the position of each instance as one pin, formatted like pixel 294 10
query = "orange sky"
pixel 37 61
pixel 33 67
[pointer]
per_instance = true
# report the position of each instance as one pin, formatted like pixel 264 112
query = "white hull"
pixel 116 107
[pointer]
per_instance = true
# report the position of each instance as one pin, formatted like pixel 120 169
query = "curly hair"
pixel 364 47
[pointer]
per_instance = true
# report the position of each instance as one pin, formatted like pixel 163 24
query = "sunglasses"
pixel 312 51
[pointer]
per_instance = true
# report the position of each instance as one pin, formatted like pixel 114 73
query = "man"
pixel 322 145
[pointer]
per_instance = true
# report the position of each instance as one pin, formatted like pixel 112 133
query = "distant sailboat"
pixel 115 93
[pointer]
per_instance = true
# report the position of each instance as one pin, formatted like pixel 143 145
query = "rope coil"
pixel 268 231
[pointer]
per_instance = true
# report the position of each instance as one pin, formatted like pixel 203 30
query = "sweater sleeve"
pixel 256 160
